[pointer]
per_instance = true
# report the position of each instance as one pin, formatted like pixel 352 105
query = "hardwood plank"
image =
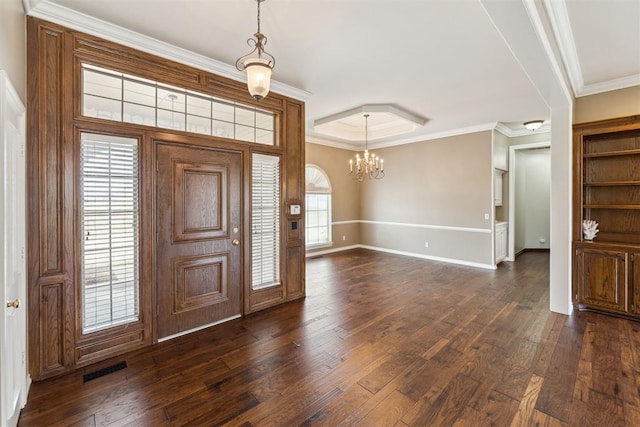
pixel 498 410
pixel 389 411
pixel 379 338
pixel 387 371
pixel 556 394
pixel 448 405
pixel 527 403
pixel 334 413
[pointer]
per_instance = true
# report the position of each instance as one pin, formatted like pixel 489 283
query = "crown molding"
pixel 561 26
pixel 313 138
pixel 503 129
pixel 46 10
pixel 437 135
pixel 316 139
pixel 621 83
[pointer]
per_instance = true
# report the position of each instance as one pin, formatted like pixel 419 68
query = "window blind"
pixel 109 221
pixel 265 221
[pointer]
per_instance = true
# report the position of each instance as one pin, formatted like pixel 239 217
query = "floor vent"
pixel 104 371
pixel 315 256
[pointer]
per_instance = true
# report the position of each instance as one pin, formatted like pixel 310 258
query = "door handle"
pixel 15 303
pixel 235 242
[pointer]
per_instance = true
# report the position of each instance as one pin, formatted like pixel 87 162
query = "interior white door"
pixel 13 375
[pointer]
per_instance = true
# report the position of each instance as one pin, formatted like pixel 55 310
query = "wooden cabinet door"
pixel 602 279
pixel 198 274
pixel 634 281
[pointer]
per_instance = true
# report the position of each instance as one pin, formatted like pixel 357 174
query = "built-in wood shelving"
pixel 606 189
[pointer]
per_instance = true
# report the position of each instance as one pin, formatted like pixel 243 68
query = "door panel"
pixel 198 278
pixel 13 324
pixel 603 279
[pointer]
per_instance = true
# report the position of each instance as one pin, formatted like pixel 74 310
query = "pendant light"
pixel 259 66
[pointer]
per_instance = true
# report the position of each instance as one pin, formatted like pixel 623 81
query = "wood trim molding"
pixel 56 341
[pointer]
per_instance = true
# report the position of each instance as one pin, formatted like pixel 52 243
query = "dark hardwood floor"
pixel 380 340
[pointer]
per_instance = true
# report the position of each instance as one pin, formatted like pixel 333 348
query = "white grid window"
pixel 125 98
pixel 317 208
pixel 109 221
pixel 265 221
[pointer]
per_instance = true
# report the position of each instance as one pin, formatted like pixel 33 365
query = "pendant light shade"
pixel 258 77
pixel 258 64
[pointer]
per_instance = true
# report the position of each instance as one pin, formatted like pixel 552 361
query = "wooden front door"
pixel 199 239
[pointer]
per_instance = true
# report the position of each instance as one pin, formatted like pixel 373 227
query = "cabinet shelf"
pixel 611 183
pixel 613 153
pixel 612 206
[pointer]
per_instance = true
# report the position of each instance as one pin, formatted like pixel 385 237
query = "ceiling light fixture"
pixel 258 68
pixel 369 165
pixel 533 124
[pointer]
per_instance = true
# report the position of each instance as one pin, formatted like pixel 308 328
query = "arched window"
pixel 318 207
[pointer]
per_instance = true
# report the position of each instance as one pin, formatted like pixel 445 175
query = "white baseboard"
pixel 330 251
pixel 411 254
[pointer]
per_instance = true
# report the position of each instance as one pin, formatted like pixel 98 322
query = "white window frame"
pixel 310 192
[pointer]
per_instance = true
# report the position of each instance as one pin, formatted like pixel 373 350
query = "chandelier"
pixel 369 165
pixel 260 67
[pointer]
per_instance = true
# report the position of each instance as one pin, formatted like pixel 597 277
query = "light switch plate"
pixel 294 209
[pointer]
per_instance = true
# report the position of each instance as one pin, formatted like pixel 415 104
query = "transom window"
pixel 318 207
pixel 125 98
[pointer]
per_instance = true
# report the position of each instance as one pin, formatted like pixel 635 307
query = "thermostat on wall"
pixel 295 209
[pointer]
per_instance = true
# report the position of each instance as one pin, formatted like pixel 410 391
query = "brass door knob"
pixel 15 303
pixel 235 242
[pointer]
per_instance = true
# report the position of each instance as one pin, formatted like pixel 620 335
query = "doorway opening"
pixel 529 196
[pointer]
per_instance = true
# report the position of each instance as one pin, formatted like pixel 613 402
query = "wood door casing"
pixel 634 278
pixel 198 218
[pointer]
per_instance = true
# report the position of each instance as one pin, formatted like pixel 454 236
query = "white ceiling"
pixel 443 60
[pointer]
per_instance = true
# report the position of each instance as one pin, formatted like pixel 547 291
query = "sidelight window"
pixel 265 221
pixel 109 226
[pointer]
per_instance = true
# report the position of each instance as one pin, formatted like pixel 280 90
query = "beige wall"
pixel 13 46
pixel 608 105
pixel 345 197
pixel 435 191
pixel 432 189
